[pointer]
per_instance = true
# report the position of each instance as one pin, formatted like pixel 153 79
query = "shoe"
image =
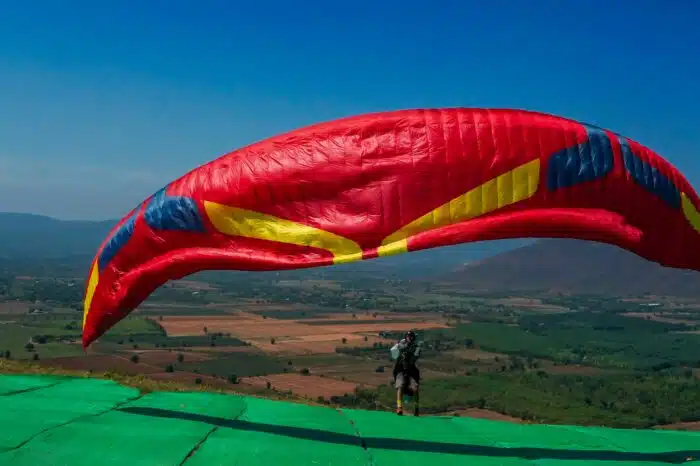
pixel 399 411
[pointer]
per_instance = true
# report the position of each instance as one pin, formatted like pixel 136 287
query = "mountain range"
pixel 574 266
pixel 29 237
pixel 512 265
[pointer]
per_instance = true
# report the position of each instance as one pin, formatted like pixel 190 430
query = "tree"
pixel 35 357
pixel 169 368
pixel 198 381
pixel 305 371
pixel 268 385
pixel 272 341
pixel 206 330
pixel 180 358
pixel 135 358
pixel 233 378
pixel 29 347
pixel 344 340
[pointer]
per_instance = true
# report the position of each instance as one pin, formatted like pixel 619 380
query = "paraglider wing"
pixel 388 183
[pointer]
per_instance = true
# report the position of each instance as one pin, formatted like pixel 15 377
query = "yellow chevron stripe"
pixel 241 222
pixel 90 292
pixel 513 186
pixel 690 212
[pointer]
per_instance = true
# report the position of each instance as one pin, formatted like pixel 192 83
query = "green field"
pixel 356 321
pixel 157 340
pixel 300 314
pixel 53 336
pixel 635 401
pixel 14 338
pixel 165 311
pixel 602 340
pixel 238 364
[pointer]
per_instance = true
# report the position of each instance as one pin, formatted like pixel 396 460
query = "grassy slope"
pixel 143 383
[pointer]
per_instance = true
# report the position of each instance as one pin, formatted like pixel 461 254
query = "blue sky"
pixel 102 103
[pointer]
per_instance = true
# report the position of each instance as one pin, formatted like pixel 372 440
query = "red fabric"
pixel 366 176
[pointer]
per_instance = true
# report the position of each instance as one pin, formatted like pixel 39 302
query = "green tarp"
pixel 73 421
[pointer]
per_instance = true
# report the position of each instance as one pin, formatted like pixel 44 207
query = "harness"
pixel 407 357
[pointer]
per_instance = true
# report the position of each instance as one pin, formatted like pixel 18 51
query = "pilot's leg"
pixel 415 380
pixel 400 378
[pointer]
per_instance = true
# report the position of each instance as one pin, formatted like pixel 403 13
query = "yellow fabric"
pixel 513 186
pixel 90 292
pixel 241 222
pixel 690 212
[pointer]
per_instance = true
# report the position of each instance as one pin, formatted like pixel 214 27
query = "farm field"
pixel 238 364
pixel 367 375
pixel 319 335
pixel 471 354
pixel 190 378
pixel 315 344
pixel 214 351
pixel 574 369
pixel 689 426
pixel 247 326
pixel 478 413
pixel 15 337
pixel 103 362
pixel 311 284
pixel 534 304
pixel 308 386
pixel 360 371
pixel 193 285
pixel 14 307
pixel 162 358
pixel 677 318
pixel 346 368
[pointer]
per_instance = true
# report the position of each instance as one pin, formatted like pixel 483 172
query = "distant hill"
pixel 563 265
pixel 577 267
pixel 431 262
pixel 29 237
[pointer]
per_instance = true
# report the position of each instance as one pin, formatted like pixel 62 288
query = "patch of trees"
pixel 625 401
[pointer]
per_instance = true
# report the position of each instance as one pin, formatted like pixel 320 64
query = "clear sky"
pixel 103 102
